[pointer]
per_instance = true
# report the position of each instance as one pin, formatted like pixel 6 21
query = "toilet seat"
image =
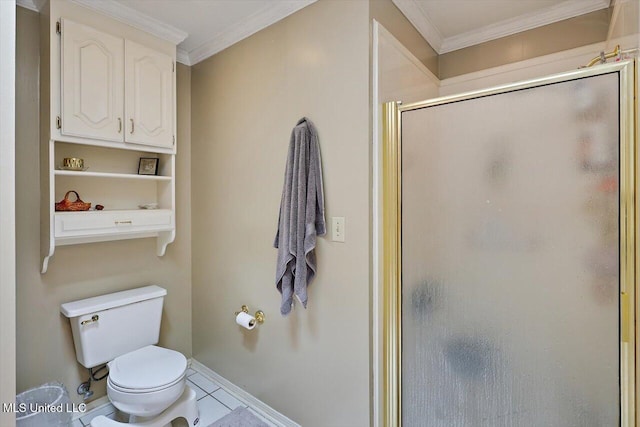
pixel 145 390
pixel 147 369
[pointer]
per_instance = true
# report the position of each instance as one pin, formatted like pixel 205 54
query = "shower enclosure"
pixel 510 255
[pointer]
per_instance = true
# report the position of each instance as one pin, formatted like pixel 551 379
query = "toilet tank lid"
pixel 116 299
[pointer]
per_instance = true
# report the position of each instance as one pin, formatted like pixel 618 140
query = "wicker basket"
pixel 67 205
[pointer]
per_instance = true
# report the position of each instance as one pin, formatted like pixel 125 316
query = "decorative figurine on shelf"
pixel 67 205
pixel 73 164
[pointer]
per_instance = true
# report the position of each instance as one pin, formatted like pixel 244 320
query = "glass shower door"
pixel 511 227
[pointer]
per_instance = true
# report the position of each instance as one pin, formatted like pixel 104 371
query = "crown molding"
pixel 130 16
pixel 35 5
pixel 243 30
pixel 565 10
pixel 182 56
pixel 420 20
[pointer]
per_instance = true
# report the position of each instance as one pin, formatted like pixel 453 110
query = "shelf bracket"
pixel 47 257
pixel 164 238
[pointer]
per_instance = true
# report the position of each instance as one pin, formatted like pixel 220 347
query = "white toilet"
pixel 145 381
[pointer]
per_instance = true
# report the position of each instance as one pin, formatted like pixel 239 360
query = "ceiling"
pixel 202 28
pixel 213 25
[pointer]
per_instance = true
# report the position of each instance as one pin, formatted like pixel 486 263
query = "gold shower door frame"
pixel 391 234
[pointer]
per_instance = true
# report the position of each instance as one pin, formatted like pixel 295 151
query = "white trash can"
pixel 44 406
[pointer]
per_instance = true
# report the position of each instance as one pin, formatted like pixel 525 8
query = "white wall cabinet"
pixel 107 96
pixel 110 84
pixel 149 96
pixel 92 95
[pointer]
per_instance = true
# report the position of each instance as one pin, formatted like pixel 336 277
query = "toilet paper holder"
pixel 259 314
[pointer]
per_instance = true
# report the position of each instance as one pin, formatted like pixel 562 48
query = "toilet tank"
pixel 107 326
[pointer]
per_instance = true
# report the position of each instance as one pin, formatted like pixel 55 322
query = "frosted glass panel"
pixel 510 259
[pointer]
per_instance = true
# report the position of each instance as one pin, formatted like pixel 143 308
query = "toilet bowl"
pixel 145 381
pixel 184 407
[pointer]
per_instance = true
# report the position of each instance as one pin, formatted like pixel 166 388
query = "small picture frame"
pixel 148 166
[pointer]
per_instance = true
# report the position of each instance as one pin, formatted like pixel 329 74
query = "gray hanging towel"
pixel 301 216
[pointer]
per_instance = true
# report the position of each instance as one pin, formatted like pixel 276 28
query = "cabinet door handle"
pixel 123 222
pixel 131 125
pixel 119 124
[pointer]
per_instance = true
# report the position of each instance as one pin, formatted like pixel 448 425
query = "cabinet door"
pixel 149 96
pixel 92 90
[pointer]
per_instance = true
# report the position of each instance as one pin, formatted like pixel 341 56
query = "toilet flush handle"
pixel 94 318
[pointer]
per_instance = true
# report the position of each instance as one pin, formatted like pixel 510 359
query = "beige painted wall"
pixel 313 365
pixel 625 20
pixel 44 343
pixel 388 14
pixel 7 205
pixel 557 37
pixel 401 76
pixel 532 68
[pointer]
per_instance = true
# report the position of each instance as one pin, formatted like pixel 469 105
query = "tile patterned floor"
pixel 214 403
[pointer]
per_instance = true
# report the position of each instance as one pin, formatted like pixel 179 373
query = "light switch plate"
pixel 337 228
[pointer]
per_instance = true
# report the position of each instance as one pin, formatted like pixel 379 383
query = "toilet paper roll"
pixel 246 320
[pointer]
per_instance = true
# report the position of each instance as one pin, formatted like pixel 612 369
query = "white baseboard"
pixel 243 396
